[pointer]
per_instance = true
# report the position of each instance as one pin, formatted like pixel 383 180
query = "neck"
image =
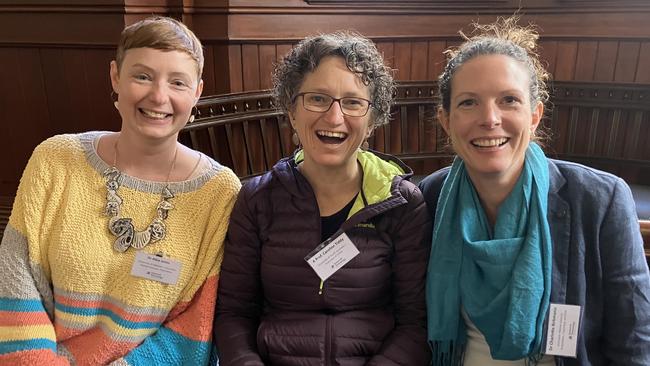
pixel 148 160
pixel 334 187
pixel 492 191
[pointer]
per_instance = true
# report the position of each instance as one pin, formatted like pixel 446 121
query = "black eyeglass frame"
pixel 293 100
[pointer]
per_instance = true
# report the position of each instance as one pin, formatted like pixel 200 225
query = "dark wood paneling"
pixel 58 53
pixel 436 59
pixel 565 61
pixel 643 70
pixel 606 61
pixel 627 61
pixel 250 67
pixel 585 58
pixel 548 54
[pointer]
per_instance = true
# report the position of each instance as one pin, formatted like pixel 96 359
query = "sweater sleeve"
pixel 27 335
pixel 184 338
pixel 626 328
pixel 239 301
pixel 407 344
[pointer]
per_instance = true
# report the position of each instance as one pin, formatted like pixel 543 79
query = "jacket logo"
pixel 365 224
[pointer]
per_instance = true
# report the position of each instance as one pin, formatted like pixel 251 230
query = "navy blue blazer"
pixel 598 262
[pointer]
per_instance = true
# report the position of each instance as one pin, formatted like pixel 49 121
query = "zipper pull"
pixel 320 288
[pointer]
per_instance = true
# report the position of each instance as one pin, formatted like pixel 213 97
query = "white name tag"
pixel 153 267
pixel 562 332
pixel 330 256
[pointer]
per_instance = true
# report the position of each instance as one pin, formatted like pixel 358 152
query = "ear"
pixel 292 119
pixel 199 91
pixel 538 112
pixel 115 77
pixel 369 130
pixel 443 118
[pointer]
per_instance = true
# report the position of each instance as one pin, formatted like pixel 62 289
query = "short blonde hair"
pixel 160 33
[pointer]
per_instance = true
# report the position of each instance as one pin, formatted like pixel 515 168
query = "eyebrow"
pixel 345 95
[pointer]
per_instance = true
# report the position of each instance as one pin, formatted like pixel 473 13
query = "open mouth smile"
pixel 154 114
pixel 490 142
pixel 331 137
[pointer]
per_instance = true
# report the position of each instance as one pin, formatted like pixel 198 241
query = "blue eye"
pixel 511 99
pixel 467 103
pixel 142 77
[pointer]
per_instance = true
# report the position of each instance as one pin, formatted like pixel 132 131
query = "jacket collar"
pixel 381 176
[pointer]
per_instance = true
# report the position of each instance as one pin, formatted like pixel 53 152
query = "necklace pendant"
pixel 122 227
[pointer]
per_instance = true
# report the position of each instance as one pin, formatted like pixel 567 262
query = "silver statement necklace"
pixel 122 227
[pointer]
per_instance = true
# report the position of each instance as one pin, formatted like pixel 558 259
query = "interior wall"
pixel 54 55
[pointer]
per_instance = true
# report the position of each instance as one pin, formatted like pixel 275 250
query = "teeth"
pixel 153 114
pixel 340 135
pixel 490 142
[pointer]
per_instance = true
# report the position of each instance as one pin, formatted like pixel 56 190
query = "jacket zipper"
pixel 328 340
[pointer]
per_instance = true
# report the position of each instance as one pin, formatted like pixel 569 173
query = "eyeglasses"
pixel 319 102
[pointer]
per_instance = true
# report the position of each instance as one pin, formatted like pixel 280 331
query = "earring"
pixel 295 139
pixel 195 111
pixel 365 145
pixel 116 104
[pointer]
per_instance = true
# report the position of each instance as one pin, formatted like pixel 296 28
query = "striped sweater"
pixel 68 298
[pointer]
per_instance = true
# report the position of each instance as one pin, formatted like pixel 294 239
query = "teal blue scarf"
pixel 502 279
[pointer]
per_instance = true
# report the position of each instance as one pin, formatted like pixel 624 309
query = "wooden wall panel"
pixel 626 62
pixel 419 61
pixel 585 66
pixel 565 61
pixel 60 59
pixel 266 63
pixel 235 68
pixel 606 61
pixel 436 59
pixel 643 64
pixel 548 54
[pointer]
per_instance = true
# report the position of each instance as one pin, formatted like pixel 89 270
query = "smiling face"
pixel 331 139
pixel 156 91
pixel 490 118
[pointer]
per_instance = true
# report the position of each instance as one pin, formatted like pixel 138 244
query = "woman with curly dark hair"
pixel 326 254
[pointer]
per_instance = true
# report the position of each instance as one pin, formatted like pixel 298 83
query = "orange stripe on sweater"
pixel 94 347
pixel 121 312
pixel 16 318
pixel 33 357
pixel 196 322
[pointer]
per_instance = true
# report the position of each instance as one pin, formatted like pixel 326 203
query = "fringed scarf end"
pixel 447 353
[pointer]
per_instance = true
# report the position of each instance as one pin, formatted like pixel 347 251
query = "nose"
pixel 158 93
pixel 334 114
pixel 490 115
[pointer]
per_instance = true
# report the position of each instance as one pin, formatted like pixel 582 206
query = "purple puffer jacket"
pixel 370 312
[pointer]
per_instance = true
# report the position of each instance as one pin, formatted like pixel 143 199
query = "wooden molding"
pixel 601 95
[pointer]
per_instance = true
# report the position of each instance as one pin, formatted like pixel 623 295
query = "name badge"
pixel 153 267
pixel 331 255
pixel 562 332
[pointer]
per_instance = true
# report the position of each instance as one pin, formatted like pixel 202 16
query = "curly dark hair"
pixel 503 37
pixel 361 57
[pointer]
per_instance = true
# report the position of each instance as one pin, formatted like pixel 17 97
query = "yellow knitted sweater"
pixel 71 298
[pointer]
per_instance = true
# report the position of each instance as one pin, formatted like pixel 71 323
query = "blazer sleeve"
pixel 626 283
pixel 407 344
pixel 239 299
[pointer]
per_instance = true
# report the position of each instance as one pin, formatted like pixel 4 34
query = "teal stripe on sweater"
pixel 27 345
pixel 19 305
pixel 167 347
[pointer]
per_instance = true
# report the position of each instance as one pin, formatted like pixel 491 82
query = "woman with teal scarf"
pixel 516 233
